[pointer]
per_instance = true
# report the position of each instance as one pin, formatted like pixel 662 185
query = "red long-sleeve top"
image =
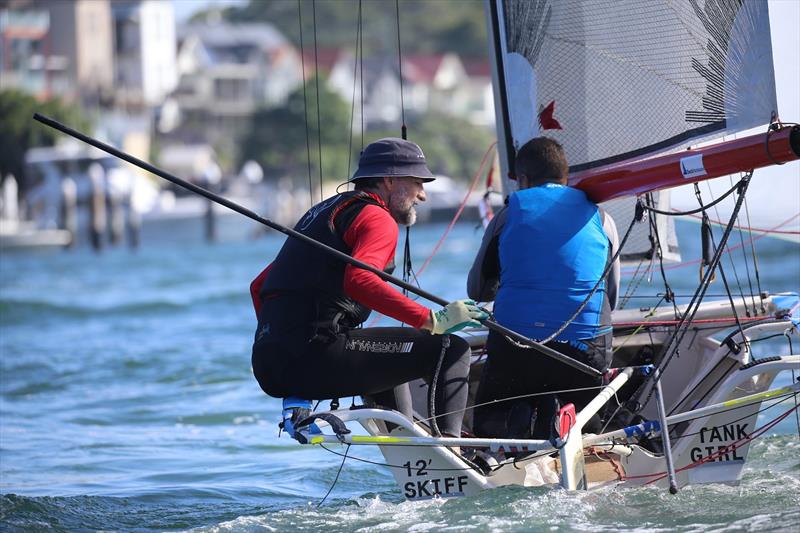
pixel 372 236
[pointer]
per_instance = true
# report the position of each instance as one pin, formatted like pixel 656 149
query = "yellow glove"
pixel 457 315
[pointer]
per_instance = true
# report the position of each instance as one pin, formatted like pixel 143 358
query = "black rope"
pixel 730 256
pixel 535 455
pixel 724 277
pixel 755 257
pixel 744 256
pixel 658 252
pixel 305 102
pixel 730 299
pixel 609 266
pixel 665 357
pixel 355 80
pixel 389 465
pixel 694 211
pixel 403 131
pixel 319 104
pixel 432 389
pixel 344 458
pixel 361 62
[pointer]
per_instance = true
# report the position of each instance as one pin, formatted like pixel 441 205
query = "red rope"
pixel 696 321
pixel 657 476
pixel 757 230
pixel 452 222
pixel 727 250
pixel 460 208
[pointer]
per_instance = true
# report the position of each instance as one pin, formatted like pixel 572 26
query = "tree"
pixel 453 146
pixel 425 27
pixel 284 144
pixel 21 132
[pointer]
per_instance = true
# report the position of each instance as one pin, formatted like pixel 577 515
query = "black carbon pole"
pixel 308 240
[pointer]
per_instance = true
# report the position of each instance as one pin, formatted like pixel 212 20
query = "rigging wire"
pixel 633 285
pixel 460 209
pixel 637 217
pixel 753 254
pixel 355 80
pixel 727 250
pixel 725 279
pixel 403 131
pixel 744 256
pixel 544 453
pixel 730 255
pixel 659 253
pixel 305 100
pixel 336 479
pixel 672 346
pixel 316 84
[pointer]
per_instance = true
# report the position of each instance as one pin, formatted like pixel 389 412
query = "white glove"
pixel 457 315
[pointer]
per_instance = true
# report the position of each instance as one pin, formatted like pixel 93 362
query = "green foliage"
pixel 20 132
pixel 425 26
pixel 279 141
pixel 453 147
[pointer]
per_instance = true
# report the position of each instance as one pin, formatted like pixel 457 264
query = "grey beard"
pixel 405 217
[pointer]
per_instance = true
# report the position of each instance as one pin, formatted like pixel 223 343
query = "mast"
pixel 496 23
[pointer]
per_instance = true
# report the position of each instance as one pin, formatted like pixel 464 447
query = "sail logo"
pixel 693 166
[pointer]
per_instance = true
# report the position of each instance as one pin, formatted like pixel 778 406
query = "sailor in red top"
pixel 310 305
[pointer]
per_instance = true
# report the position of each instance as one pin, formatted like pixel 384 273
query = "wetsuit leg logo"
pixel 359 345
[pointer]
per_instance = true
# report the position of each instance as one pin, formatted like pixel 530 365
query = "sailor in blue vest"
pixel 539 259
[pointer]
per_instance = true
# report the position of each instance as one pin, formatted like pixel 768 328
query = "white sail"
pixel 628 78
pixel 617 80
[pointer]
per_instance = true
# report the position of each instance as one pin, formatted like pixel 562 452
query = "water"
pixel 127 403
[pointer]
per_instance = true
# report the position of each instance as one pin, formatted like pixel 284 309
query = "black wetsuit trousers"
pixel 378 362
pixel 512 371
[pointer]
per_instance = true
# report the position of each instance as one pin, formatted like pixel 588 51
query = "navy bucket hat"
pixel 392 157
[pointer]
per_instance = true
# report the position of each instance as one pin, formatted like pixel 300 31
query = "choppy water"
pixel 127 403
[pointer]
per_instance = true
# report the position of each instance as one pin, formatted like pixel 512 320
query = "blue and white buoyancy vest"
pixel 552 249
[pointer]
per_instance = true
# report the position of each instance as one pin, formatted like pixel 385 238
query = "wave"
pixel 13 308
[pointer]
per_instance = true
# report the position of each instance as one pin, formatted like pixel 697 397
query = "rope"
pixel 389 465
pixel 735 273
pixel 730 259
pixel 450 226
pixel 460 208
pixel 727 249
pixel 608 268
pixel 724 450
pixel 344 458
pixel 316 84
pixel 432 389
pixel 305 101
pixel 674 213
pixel 656 239
pixel 355 80
pixel 757 230
pixel 680 331
pixel 403 131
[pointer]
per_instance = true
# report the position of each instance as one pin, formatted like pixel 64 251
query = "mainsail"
pixel 620 80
